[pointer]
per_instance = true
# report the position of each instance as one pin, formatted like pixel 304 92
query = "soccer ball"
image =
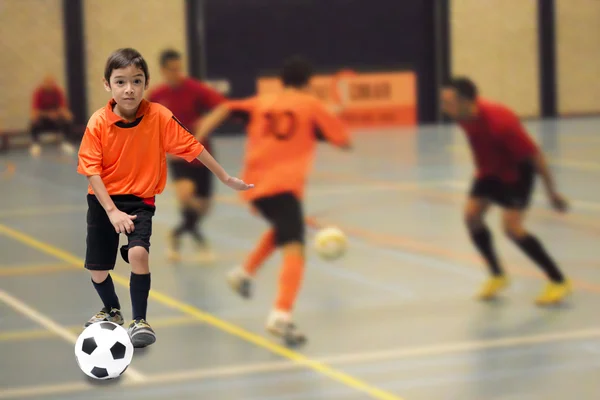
pixel 103 350
pixel 330 243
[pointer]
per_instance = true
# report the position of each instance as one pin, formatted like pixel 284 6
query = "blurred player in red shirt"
pixel 188 99
pixel 506 161
pixel 282 134
pixel 50 112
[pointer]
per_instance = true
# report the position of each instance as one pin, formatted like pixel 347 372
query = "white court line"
pixel 561 162
pixel 581 204
pixel 342 359
pixel 52 326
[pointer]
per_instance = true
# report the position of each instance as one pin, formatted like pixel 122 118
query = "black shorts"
pixel 102 240
pixel 284 213
pixel 515 195
pixel 199 174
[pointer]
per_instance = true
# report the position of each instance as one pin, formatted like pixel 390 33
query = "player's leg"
pixel 201 203
pixel 101 256
pixel 477 205
pixel 513 221
pixel 65 126
pixel 136 253
pixel 184 193
pixel 240 278
pixel 285 212
pixel 37 127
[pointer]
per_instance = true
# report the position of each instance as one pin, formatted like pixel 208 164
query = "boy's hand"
pixel 558 202
pixel 122 222
pixel 237 184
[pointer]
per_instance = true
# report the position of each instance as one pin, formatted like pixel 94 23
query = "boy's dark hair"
pixel 296 72
pixel 464 87
pixel 123 58
pixel 168 55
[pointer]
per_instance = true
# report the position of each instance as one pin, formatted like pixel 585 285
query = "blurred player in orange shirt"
pixel 283 130
pixel 123 155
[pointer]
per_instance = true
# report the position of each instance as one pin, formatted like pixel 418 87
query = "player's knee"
pixel 184 191
pixel 138 259
pixel 99 276
pixel 293 248
pixel 473 220
pixel 513 228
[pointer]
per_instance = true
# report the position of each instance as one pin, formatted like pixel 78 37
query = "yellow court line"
pixel 210 319
pixel 34 269
pixel 33 334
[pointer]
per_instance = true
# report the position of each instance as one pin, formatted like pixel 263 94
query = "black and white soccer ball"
pixel 104 350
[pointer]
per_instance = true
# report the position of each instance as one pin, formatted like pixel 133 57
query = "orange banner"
pixel 375 99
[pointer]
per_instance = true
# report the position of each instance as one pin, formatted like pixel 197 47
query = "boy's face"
pixel 127 86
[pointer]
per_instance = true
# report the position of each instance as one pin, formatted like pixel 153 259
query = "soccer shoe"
pixel 67 148
pixel 286 330
pixel 114 315
pixel 141 333
pixel 554 293
pixel 173 246
pixel 240 282
pixel 492 287
pixel 35 150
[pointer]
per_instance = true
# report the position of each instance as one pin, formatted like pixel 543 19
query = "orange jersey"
pixel 282 140
pixel 131 157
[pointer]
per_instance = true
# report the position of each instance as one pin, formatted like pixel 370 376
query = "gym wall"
pixel 495 42
pixel 149 26
pixel 578 56
pixel 31 47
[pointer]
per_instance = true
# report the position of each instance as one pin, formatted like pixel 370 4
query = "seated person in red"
pixel 50 113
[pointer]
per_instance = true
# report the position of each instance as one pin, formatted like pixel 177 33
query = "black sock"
pixel 107 293
pixel 139 287
pixel 189 221
pixel 534 249
pixel 482 238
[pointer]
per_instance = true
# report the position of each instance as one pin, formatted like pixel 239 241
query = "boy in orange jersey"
pixel 282 136
pixel 123 155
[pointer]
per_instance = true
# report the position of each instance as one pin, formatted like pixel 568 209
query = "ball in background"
pixel 103 350
pixel 331 243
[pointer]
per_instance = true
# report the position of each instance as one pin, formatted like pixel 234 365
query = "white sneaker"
pixel 35 150
pixel 240 282
pixel 279 324
pixel 67 148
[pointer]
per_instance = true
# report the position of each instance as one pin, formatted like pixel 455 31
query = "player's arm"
pixel 90 165
pixel 331 127
pixel 220 114
pixel 181 142
pixel 36 113
pixel 524 149
pixel 64 107
pixel 212 121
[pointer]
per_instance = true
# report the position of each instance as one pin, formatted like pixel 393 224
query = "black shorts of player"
pixel 515 195
pixel 198 174
pixel 284 213
pixel 102 240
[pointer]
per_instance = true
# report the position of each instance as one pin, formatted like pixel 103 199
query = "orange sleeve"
pixel 178 140
pixel 330 126
pixel 90 151
pixel 244 105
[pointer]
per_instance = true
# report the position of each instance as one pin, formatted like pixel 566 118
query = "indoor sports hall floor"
pixel 395 319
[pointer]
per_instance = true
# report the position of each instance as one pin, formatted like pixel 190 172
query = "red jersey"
pixel 48 99
pixel 498 141
pixel 282 140
pixel 188 101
